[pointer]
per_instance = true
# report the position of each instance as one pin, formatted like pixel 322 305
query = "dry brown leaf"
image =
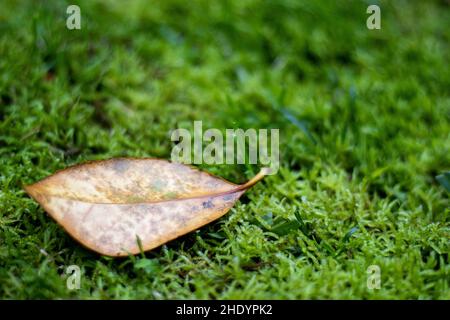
pixel 108 205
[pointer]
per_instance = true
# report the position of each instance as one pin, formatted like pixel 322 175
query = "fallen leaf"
pixel 116 206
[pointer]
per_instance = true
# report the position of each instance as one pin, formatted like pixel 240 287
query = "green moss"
pixel 364 130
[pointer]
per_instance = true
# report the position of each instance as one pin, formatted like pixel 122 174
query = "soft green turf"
pixel 364 119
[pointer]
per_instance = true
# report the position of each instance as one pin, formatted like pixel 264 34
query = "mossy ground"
pixel 364 119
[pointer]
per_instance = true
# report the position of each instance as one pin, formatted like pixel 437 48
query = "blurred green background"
pixel 364 119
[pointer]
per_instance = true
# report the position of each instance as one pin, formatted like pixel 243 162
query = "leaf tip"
pixel 29 189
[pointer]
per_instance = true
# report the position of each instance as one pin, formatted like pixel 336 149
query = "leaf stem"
pixel 261 174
